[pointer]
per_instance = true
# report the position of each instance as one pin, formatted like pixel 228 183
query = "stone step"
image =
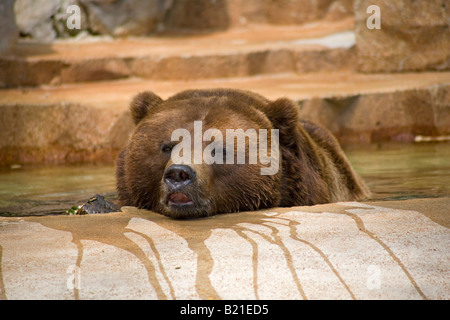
pixel 257 49
pixel 90 121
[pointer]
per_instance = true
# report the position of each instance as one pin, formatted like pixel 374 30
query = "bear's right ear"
pixel 142 104
pixel 284 115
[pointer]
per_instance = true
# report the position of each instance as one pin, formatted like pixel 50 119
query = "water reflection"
pixel 392 171
pixel 403 171
pixel 52 190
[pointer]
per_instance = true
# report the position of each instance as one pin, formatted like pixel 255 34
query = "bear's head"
pixel 203 152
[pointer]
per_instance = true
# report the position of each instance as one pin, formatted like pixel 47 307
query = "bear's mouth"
pixel 179 199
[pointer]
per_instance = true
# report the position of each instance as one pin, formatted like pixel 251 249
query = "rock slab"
pixel 9 33
pixel 337 251
pixel 413 36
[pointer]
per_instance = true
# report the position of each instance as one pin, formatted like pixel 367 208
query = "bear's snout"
pixel 181 194
pixel 177 176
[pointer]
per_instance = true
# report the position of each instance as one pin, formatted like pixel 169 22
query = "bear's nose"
pixel 178 175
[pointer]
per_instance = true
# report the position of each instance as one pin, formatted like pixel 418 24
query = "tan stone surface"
pixel 85 122
pixel 303 11
pixel 386 116
pixel 414 35
pixel 9 33
pixel 237 52
pixel 89 122
pixel 383 250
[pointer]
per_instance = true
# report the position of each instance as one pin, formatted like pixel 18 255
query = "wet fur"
pixel 314 169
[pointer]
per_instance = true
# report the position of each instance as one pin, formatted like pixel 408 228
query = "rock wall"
pixel 8 29
pixel 124 17
pixel 302 11
pixel 34 18
pixel 413 35
pixel 45 20
pixel 399 116
pixel 201 15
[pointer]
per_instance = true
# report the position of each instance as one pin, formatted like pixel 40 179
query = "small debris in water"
pixel 96 204
pixel 73 211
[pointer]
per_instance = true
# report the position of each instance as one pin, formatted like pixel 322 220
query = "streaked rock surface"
pixel 383 250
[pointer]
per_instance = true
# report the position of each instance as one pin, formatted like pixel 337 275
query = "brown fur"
pixel 313 170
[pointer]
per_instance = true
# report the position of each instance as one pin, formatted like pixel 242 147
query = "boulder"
pixel 413 35
pixel 9 32
pixel 64 14
pixel 46 20
pixel 125 17
pixel 303 11
pixel 33 18
pixel 393 250
pixel 59 133
pixel 197 15
pixel 386 116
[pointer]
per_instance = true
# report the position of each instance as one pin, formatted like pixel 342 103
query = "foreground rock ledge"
pixel 373 250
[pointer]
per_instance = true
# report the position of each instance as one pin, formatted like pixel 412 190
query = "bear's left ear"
pixel 142 104
pixel 284 115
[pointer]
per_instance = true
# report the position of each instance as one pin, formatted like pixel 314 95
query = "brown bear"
pixel 312 168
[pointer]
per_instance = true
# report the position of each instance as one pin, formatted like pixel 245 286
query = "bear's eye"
pixel 166 147
pixel 224 152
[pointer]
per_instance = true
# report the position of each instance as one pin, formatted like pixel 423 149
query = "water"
pixel 52 190
pixel 403 171
pixel 392 171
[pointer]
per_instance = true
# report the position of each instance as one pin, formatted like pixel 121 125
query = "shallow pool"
pixel 403 171
pixel 392 171
pixel 31 190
